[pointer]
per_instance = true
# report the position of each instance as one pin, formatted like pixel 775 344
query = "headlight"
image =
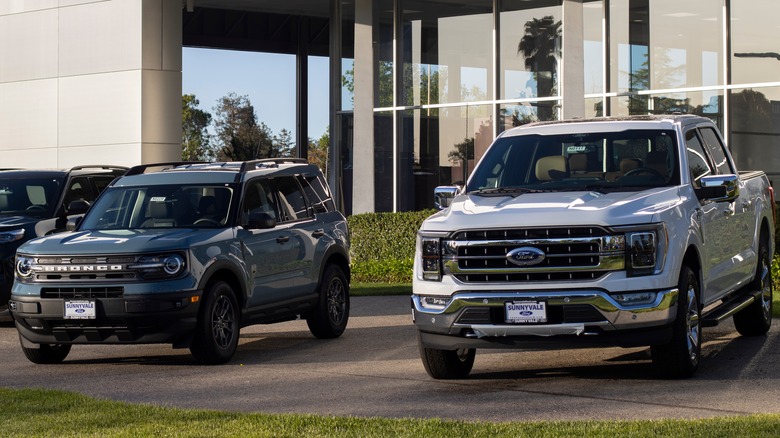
pixel 429 251
pixel 11 236
pixel 24 266
pixel 645 249
pixel 157 267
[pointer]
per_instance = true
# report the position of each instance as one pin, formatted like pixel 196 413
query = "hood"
pixel 15 222
pixel 124 241
pixel 554 209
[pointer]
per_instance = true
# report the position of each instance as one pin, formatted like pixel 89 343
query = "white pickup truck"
pixel 628 232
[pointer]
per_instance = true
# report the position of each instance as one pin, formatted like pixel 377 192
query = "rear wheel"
pixel 217 330
pixel 680 357
pixel 447 364
pixel 329 318
pixel 756 319
pixel 46 353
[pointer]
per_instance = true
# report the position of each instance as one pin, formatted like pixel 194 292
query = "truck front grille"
pixel 569 254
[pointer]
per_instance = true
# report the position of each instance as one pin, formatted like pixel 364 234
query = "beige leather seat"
pixel 578 167
pixel 551 168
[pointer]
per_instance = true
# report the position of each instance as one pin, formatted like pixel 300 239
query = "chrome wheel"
pixel 692 324
pixel 223 323
pixel 766 288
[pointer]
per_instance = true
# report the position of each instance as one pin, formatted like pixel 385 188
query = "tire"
pixel 680 357
pixel 217 330
pixel 46 353
pixel 447 364
pixel 329 317
pixel 756 319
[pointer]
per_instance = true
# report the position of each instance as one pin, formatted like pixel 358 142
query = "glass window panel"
pixel 686 40
pixel 447 52
pixel 530 48
pixel 347 55
pixel 629 40
pixel 704 103
pixel 439 147
pixel 523 113
pixel 698 163
pixel 755 129
pixel 593 46
pixel 755 41
pixel 383 68
pixel 383 161
pixel 594 107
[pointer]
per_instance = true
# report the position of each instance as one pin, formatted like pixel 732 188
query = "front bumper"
pixel 138 319
pixel 575 318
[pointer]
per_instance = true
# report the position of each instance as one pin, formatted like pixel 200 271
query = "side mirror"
pixel 718 188
pixel 260 220
pixel 74 221
pixel 443 195
pixel 79 206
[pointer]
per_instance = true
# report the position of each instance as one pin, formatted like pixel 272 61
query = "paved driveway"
pixel 374 370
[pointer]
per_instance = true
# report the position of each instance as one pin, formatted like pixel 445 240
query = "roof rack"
pixel 137 170
pixel 256 164
pixel 98 166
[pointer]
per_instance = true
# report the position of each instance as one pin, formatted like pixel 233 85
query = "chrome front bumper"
pixel 606 316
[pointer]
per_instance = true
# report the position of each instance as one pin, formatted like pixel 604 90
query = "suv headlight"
pixel 645 249
pixel 11 236
pixel 159 267
pixel 24 267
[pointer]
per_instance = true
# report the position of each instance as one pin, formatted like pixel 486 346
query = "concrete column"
pixel 363 139
pixel 90 82
pixel 572 77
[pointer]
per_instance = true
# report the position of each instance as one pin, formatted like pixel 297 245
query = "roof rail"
pixel 256 164
pixel 98 166
pixel 137 170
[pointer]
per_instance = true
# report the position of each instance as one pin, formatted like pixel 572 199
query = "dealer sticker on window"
pixel 79 310
pixel 520 312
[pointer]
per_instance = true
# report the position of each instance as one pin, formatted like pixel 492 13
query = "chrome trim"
pixel 485 330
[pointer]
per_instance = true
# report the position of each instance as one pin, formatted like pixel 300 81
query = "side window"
pixel 316 193
pixel 716 148
pixel 258 198
pixel 101 182
pixel 698 164
pixel 78 189
pixel 292 204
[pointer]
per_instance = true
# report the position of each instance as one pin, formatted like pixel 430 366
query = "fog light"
pixel 637 298
pixel 434 303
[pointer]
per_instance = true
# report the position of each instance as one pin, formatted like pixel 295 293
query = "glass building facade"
pixel 450 76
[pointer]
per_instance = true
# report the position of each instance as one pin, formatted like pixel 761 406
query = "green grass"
pixel 37 412
pixel 379 289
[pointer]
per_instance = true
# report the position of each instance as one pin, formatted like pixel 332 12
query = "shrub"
pixel 382 245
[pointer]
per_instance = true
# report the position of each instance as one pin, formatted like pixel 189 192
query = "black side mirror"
pixel 260 220
pixel 78 206
pixel 74 221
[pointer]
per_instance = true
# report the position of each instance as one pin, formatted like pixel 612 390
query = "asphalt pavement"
pixel 374 370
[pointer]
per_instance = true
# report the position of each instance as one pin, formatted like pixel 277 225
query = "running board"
pixel 729 308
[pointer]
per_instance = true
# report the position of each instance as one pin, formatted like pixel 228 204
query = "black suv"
pixel 36 203
pixel 187 254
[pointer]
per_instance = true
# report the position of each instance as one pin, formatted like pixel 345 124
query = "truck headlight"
pixel 11 236
pixel 645 250
pixel 429 255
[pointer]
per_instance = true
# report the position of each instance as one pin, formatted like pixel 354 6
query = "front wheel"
pixel 46 353
pixel 447 364
pixel 680 357
pixel 756 319
pixel 216 333
pixel 329 317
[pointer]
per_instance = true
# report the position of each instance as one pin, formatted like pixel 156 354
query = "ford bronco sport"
pixel 187 254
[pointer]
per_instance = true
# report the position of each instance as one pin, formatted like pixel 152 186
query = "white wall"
pixel 89 82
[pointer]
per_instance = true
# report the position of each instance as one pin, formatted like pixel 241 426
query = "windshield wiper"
pixel 506 191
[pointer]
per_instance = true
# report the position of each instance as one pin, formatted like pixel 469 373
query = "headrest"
pixel 627 164
pixel 550 168
pixel 207 205
pixel 158 209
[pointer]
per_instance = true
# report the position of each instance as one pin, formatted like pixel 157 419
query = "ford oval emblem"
pixel 526 256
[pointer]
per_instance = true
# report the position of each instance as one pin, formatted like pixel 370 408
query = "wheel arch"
pixel 224 271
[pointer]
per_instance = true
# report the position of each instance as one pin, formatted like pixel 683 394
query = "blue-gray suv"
pixel 187 254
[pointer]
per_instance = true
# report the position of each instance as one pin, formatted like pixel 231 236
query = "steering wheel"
pixel 206 221
pixel 36 208
pixel 640 170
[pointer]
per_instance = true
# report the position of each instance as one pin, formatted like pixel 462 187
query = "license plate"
pixel 520 312
pixel 79 310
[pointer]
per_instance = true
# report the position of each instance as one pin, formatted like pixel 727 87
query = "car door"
pixel 267 252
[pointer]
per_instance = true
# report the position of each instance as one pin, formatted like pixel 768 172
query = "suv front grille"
pixel 85 269
pixel 82 292
pixel 570 254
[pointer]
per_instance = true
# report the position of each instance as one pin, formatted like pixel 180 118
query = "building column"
pixel 75 88
pixel 363 134
pixel 573 63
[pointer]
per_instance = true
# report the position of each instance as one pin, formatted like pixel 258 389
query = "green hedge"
pixel 382 245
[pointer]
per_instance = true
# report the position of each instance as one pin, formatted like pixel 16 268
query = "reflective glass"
pixel 593 46
pixel 755 32
pixel 530 48
pixel 755 129
pixel 383 161
pixel 447 51
pixel 704 103
pixel 512 115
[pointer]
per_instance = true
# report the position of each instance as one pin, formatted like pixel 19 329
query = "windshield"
pixel 160 206
pixel 28 196
pixel 608 161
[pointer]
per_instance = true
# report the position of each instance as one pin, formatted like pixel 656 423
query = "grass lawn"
pixel 37 412
pixel 379 289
